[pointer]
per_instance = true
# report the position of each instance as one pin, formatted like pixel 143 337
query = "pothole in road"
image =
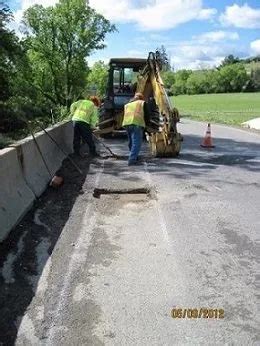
pixel 137 191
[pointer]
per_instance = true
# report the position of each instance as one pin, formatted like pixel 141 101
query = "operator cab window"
pixel 124 81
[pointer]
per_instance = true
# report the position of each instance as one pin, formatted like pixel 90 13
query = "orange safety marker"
pixel 207 141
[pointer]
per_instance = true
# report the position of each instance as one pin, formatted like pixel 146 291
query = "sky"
pixel 195 33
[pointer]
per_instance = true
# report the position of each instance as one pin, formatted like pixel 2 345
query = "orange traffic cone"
pixel 207 141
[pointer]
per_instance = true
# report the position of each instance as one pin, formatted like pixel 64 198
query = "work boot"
pixel 79 154
pixel 134 163
pixel 95 154
pixel 75 155
pixel 82 155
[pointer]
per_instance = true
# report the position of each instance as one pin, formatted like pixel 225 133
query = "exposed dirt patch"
pixel 138 191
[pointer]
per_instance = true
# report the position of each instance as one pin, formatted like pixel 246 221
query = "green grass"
pixel 232 109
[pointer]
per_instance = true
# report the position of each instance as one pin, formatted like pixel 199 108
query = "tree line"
pixel 230 76
pixel 43 72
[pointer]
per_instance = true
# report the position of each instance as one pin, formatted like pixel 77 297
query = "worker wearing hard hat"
pixel 85 117
pixel 135 117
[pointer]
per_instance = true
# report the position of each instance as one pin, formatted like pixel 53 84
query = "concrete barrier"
pixel 34 169
pixel 23 175
pixel 15 195
pixel 252 124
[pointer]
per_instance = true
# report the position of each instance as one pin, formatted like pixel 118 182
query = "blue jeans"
pixel 135 137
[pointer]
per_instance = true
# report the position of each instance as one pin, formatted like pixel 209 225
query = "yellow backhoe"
pixel 127 76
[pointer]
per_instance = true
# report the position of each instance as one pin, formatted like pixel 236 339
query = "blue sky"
pixel 195 33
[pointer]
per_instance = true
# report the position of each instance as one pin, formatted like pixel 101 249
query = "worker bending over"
pixel 85 117
pixel 135 117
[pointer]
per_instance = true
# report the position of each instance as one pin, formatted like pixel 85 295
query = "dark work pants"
pixel 82 131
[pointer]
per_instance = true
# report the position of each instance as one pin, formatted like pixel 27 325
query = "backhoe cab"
pixel 127 76
pixel 122 84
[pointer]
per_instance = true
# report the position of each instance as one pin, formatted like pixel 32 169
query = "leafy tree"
pixel 212 81
pixel 60 39
pixel 203 82
pixel 233 77
pixel 168 78
pixel 230 78
pixel 255 79
pixel 229 60
pixel 251 59
pixel 11 56
pixel 164 58
pixel 48 69
pixel 98 78
pixel 179 87
pixel 196 83
pixel 9 52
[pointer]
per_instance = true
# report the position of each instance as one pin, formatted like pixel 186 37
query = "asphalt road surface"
pixel 116 268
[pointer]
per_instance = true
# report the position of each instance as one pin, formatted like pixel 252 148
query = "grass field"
pixel 232 109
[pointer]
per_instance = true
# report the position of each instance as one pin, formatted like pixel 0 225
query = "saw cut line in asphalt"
pixel 157 206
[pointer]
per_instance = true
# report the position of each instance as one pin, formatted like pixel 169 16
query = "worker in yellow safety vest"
pixel 85 117
pixel 136 115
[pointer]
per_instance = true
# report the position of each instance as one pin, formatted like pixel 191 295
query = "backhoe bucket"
pixel 165 148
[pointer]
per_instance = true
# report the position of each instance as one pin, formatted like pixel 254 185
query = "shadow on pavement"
pixel 25 252
pixel 194 160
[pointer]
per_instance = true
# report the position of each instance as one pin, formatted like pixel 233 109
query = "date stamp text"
pixel 197 313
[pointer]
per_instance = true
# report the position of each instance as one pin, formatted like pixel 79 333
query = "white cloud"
pixel 147 14
pixel 91 60
pixel 255 47
pixel 216 36
pixel 27 3
pixel 181 62
pixel 207 49
pixel 112 10
pixel 241 17
pixel 14 25
pixel 196 64
pixel 133 53
pixel 156 40
pixel 45 3
pixel 157 37
pixel 194 55
pixel 207 13
pixel 186 54
pixel 18 15
pixel 152 41
pixel 153 15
